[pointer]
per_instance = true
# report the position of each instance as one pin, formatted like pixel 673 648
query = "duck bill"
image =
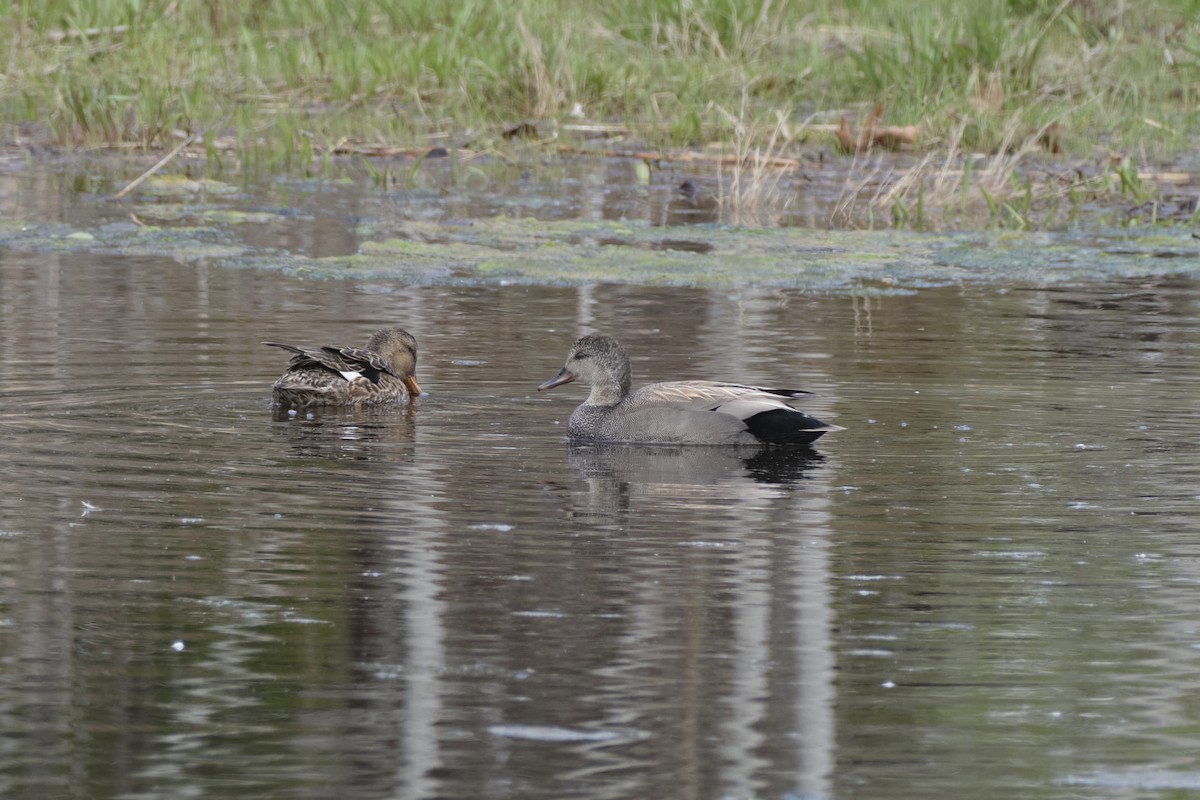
pixel 411 383
pixel 564 376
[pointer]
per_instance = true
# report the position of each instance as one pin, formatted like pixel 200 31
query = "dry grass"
pixel 953 187
pixel 750 189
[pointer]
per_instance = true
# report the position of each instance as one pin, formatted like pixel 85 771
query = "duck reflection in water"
pixel 675 465
pixel 375 433
pixel 687 484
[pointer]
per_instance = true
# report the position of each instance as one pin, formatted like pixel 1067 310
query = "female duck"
pixel 378 374
pixel 679 412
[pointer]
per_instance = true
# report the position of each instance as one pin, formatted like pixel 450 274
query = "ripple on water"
pixel 459 585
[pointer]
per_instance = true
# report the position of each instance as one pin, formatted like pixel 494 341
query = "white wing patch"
pixel 349 375
pixel 746 407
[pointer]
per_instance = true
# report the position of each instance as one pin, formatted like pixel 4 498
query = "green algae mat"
pixel 212 222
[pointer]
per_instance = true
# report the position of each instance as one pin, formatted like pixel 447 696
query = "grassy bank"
pixel 123 71
pixel 276 82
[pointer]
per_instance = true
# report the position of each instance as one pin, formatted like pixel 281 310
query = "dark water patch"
pixel 682 245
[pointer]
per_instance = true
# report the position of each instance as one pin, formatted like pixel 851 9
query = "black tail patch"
pixel 785 426
pixel 786 392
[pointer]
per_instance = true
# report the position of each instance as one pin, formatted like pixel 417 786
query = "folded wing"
pixel 349 362
pixel 702 394
pixel 719 409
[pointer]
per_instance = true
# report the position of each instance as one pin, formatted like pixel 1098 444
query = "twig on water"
pixel 191 137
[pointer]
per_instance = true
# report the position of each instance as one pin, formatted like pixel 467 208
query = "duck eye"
pixel 581 356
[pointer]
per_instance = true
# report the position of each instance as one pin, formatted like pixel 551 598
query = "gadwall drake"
pixel 380 373
pixel 679 412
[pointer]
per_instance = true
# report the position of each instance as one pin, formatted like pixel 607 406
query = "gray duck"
pixel 677 412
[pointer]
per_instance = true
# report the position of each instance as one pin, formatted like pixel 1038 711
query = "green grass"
pixel 286 76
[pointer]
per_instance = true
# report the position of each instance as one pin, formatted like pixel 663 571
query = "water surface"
pixel 984 587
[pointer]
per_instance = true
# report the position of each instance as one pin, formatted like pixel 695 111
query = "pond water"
pixel 986 586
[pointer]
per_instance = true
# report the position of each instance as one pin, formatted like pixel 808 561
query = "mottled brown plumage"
pixel 378 374
pixel 678 412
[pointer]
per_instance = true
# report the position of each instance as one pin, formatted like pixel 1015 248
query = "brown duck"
pixel 679 412
pixel 378 374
